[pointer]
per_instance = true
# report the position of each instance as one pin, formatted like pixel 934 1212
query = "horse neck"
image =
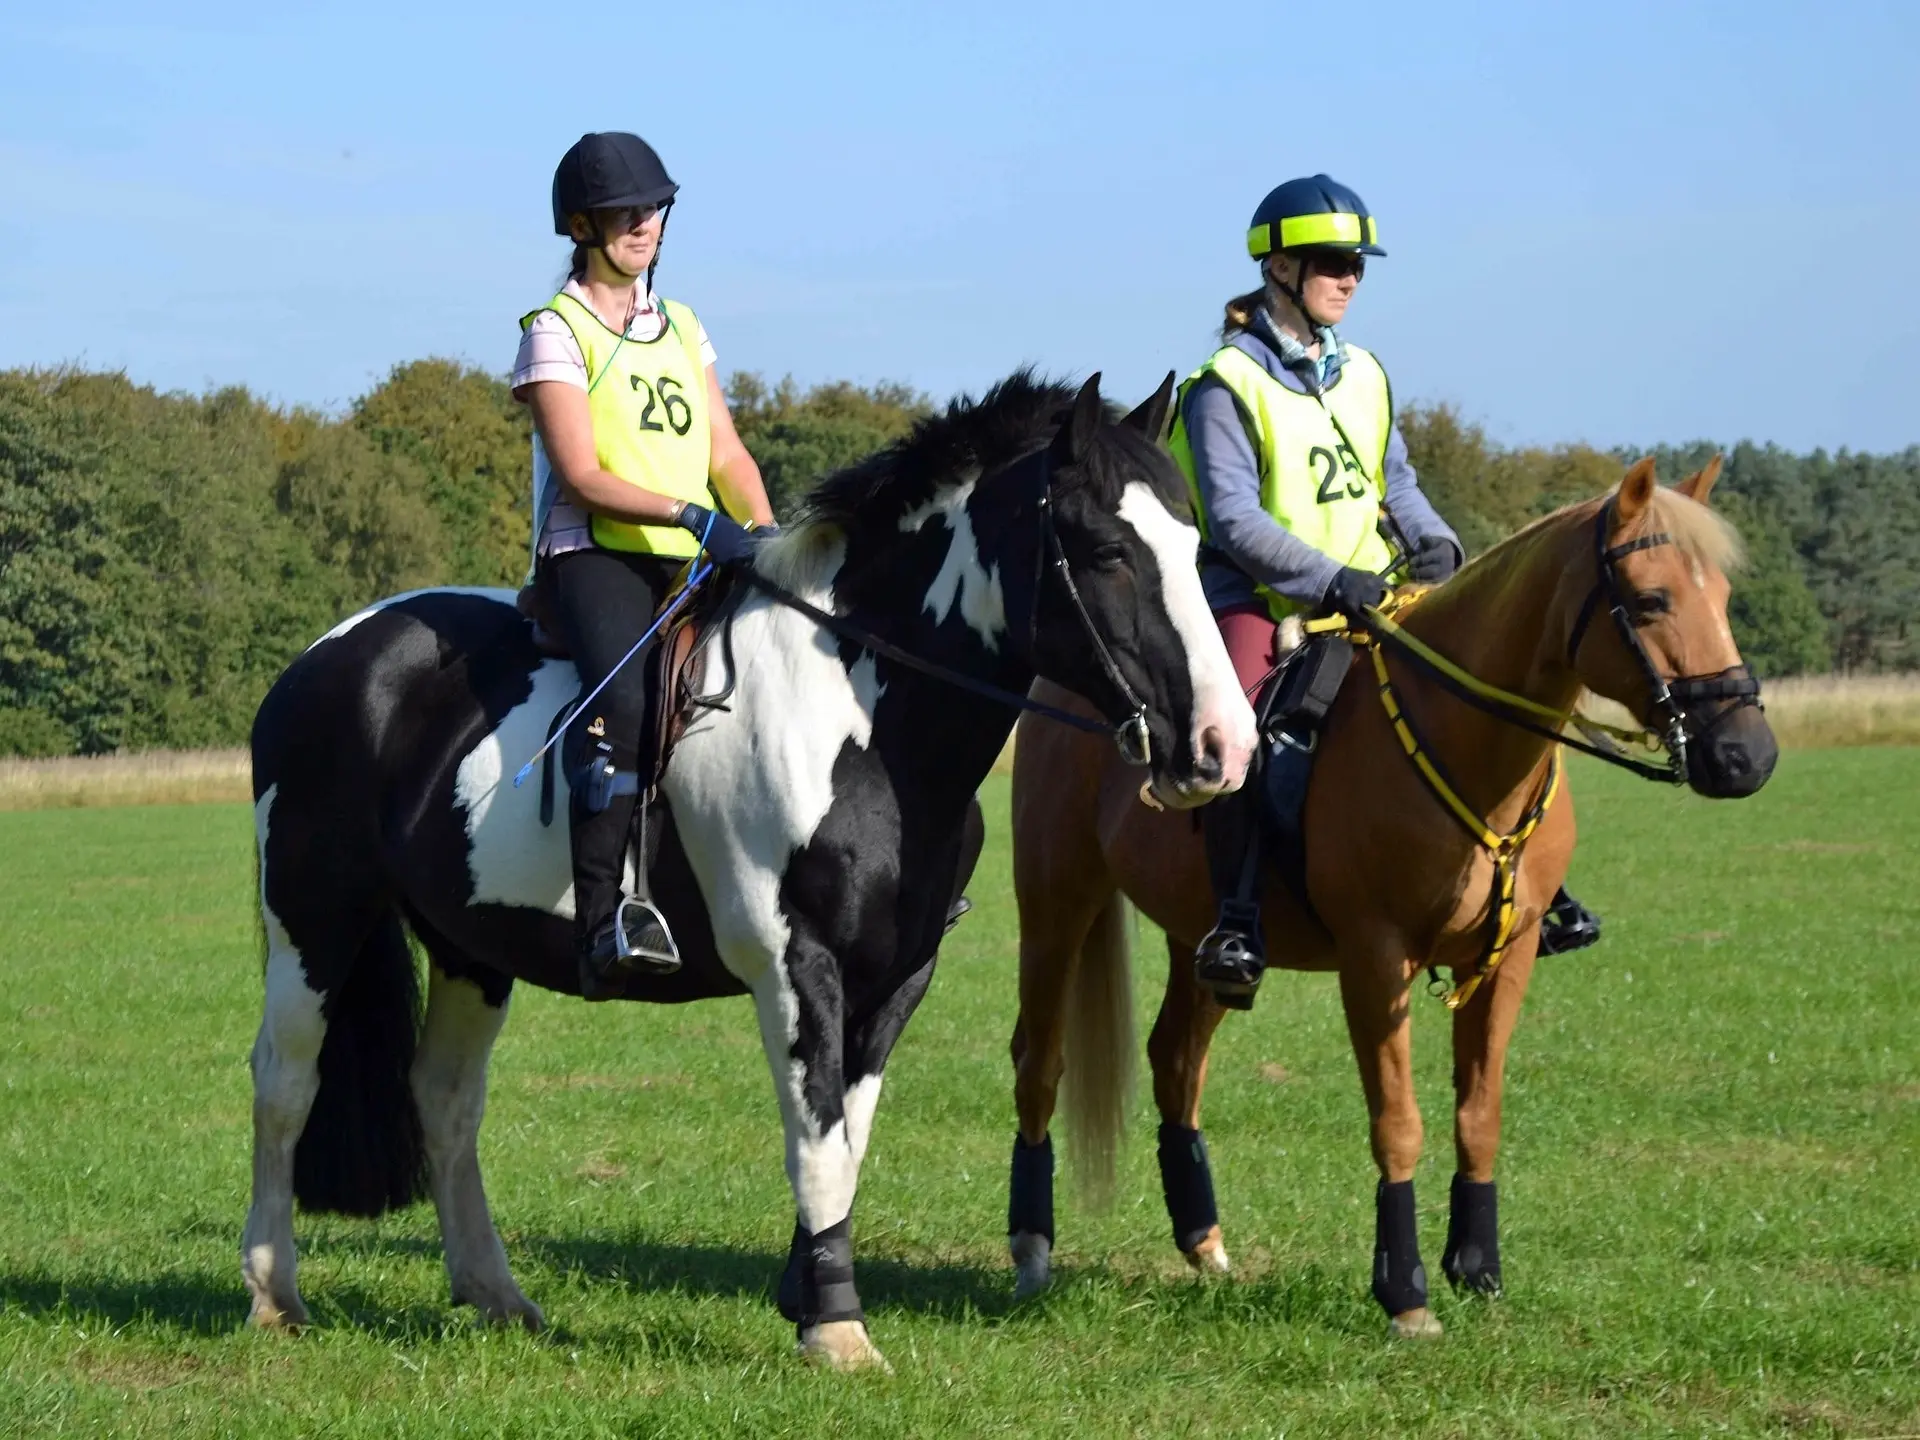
pixel 1498 621
pixel 880 589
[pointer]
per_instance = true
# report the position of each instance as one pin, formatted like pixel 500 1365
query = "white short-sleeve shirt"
pixel 548 352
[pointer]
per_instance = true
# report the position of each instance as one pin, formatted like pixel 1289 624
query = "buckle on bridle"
pixel 1134 740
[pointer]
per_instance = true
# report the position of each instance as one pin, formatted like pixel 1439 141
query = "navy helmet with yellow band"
pixel 1313 213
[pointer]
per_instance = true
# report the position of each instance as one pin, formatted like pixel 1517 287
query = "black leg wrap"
pixel 1187 1182
pixel 1030 1196
pixel 817 1286
pixel 1472 1258
pixel 1399 1279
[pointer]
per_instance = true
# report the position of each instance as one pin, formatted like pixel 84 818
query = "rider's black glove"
pixel 1353 591
pixel 1433 560
pixel 727 541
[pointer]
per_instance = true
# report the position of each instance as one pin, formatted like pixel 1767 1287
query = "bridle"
pixel 1131 734
pixel 1673 700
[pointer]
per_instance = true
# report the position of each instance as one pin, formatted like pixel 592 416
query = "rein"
pixel 1673 699
pixel 1130 734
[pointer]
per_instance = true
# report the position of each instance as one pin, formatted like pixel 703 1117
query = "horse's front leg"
pixel 803 1029
pixel 1374 991
pixel 1481 1031
pixel 1177 1049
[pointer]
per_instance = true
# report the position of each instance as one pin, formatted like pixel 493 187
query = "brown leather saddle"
pixel 675 666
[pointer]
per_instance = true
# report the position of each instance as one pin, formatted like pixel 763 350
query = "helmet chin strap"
pixel 621 270
pixel 1295 295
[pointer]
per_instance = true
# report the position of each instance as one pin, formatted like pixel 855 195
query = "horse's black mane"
pixel 971 438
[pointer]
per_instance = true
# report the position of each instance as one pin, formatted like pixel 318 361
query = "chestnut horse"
pixel 1396 880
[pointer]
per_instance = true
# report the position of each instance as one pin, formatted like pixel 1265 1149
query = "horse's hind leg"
pixel 449 1083
pixel 1481 1031
pixel 286 1078
pixel 1177 1048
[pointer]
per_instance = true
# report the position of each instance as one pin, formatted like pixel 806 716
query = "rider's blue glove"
pixel 727 541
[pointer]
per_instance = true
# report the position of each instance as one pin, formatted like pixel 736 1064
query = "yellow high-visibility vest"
pixel 648 400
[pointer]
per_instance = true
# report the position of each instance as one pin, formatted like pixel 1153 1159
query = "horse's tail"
pixel 1098 1079
pixel 362 1152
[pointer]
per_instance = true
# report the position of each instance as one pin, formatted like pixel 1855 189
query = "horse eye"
pixel 1110 557
pixel 1651 603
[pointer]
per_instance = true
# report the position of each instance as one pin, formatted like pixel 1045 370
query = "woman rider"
pixel 1288 440
pixel 629 428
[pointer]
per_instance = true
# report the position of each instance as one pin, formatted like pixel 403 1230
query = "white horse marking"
pixel 750 785
pixel 504 597
pixel 1218 703
pixel 286 1077
pixel 449 1084
pixel 512 858
pixel 983 605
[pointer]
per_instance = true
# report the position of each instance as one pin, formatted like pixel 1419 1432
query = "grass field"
pixel 1711 1182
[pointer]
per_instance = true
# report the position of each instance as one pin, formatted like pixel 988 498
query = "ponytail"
pixel 1240 312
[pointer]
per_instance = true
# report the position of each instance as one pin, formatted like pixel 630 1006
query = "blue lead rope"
pixel 666 614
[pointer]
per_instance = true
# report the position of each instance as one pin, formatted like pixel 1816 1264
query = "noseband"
pixel 1673 700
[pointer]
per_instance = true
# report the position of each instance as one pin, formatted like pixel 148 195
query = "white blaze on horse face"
pixel 983 604
pixel 1218 703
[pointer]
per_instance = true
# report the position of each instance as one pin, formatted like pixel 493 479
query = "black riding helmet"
pixel 604 171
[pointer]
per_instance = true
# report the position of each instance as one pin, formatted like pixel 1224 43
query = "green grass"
pixel 1711 1179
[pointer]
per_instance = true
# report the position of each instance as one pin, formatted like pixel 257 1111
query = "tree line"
pixel 162 557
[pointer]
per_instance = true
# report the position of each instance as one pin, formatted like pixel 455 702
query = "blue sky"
pixel 1624 223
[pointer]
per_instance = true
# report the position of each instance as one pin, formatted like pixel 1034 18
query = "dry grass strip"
pixel 1808 713
pixel 149 777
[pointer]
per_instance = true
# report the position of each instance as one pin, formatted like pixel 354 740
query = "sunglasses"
pixel 1337 264
pixel 625 218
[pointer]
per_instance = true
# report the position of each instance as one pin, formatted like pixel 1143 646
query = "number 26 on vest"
pixel 669 397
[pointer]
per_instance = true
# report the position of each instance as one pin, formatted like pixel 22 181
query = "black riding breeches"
pixel 604 601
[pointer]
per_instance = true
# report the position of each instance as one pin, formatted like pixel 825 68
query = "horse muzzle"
pixel 1219 750
pixel 1733 755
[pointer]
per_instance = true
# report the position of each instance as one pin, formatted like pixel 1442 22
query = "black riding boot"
pixel 1567 925
pixel 1230 958
pixel 616 936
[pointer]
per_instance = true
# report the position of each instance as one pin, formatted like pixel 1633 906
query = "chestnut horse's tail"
pixel 1098 1079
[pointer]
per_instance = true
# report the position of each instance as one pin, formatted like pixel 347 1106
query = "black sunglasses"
pixel 623 218
pixel 1337 264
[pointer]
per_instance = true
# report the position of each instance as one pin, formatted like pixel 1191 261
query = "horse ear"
pixel 1071 443
pixel 1150 417
pixel 1636 492
pixel 1700 486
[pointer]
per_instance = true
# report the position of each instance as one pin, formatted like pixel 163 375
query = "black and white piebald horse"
pixel 813 828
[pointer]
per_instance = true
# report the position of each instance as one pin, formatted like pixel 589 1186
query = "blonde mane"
pixel 1699 533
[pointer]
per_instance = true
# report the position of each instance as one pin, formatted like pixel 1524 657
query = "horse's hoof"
pixel 518 1311
pixel 501 1304
pixel 1032 1264
pixel 1415 1325
pixel 288 1318
pixel 1209 1257
pixel 842 1345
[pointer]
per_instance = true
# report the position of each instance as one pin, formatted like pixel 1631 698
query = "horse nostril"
pixel 1211 765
